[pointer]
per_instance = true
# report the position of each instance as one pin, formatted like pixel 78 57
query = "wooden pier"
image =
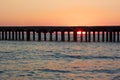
pixel 88 34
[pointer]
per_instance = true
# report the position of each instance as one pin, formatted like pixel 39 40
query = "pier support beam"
pixel 103 36
pixel 50 36
pixel 9 35
pixel 62 36
pixel 110 38
pixel 118 36
pixel 33 35
pixel 75 36
pixel 22 35
pixel 86 36
pixel 45 38
pixel 28 35
pixel 68 35
pixel 0 35
pixel 5 35
pixel 81 37
pixel 39 36
pixel 12 35
pixel 89 36
pixel 19 35
pixel 93 36
pixel 56 35
pixel 16 36
pixel 107 37
pixel 114 36
pixel 98 36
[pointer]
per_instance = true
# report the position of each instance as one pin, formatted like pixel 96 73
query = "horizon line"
pixel 61 26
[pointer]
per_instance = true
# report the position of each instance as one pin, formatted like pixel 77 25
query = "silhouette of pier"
pixel 88 34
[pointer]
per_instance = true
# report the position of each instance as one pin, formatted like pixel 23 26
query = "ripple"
pixel 1 72
pixel 59 55
pixel 6 51
pixel 116 78
pixel 49 51
pixel 91 57
pixel 22 75
pixel 107 71
pixel 50 70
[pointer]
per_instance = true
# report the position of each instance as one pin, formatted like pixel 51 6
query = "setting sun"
pixel 78 32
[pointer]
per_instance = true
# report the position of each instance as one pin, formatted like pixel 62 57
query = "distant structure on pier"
pixel 88 34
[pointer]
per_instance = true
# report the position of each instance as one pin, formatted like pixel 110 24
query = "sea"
pixel 45 60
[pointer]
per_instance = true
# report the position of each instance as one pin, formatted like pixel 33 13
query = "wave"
pixel 93 57
pixel 50 70
pixel 116 71
pixel 58 55
pixel 116 78
pixel 106 71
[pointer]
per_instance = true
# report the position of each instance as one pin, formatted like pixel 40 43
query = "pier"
pixel 41 33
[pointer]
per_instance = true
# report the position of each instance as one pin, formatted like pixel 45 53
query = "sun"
pixel 79 32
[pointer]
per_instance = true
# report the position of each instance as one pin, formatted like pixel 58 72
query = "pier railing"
pixel 87 34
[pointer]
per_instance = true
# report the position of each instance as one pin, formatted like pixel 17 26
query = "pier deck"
pixel 88 34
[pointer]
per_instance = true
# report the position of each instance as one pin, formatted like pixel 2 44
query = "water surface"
pixel 59 61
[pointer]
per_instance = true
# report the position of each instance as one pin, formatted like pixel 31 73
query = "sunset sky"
pixel 59 12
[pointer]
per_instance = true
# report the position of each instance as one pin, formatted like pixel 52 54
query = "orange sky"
pixel 59 12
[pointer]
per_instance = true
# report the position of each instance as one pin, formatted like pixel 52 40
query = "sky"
pixel 59 12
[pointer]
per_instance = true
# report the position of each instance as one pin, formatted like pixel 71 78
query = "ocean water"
pixel 22 60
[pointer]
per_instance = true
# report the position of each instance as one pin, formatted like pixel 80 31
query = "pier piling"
pixel 62 36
